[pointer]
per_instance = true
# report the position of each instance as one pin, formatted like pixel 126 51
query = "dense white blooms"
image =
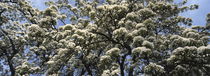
pixel 78 37
pixel 35 30
pixel 146 13
pixel 137 41
pixel 42 48
pixel 78 48
pixel 71 45
pixel 106 73
pixel 148 44
pixel 82 32
pixel 141 31
pixel 115 72
pixel 131 16
pixel 139 25
pixel 50 62
pixel 105 59
pixel 113 52
pixel 117 8
pixel 142 51
pixel 62 51
pixel 204 50
pixel 120 32
pixel 192 35
pixel 101 37
pixel 154 69
pixel 68 27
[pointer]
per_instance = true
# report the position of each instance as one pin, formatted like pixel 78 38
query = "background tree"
pixel 103 37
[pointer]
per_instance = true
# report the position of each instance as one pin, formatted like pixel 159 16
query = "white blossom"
pixel 142 51
pixel 148 44
pixel 50 62
pixel 113 52
pixel 120 32
pixel 153 68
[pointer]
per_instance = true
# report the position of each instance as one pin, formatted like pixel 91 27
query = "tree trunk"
pixel 11 67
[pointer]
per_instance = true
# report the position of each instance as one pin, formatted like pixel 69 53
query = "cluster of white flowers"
pixel 78 48
pixel 106 73
pixel 146 13
pixel 34 48
pixel 142 51
pixel 68 27
pixel 137 41
pixel 78 37
pixel 42 48
pixel 187 30
pixel 51 11
pixel 62 51
pixel 178 50
pixel 131 16
pixel 59 36
pixel 91 26
pixel 140 25
pixel 141 31
pixel 2 43
pixel 47 22
pixel 121 22
pixel 188 52
pixel 181 41
pixel 92 14
pixel 35 30
pixel 148 44
pixel 71 45
pixel 82 32
pixel 118 8
pixel 26 68
pixel 171 59
pixel 154 69
pixel 120 32
pixel 204 50
pixel 105 59
pixel 51 62
pixel 192 35
pixel 113 52
pixel 115 72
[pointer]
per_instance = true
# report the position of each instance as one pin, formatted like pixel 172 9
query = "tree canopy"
pixel 102 38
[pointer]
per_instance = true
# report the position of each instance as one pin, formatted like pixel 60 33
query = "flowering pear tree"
pixel 102 38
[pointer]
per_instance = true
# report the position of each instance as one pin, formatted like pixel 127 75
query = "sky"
pixel 198 16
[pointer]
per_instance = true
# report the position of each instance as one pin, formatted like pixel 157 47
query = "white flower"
pixel 35 30
pixel 50 62
pixel 139 25
pixel 106 73
pixel 115 72
pixel 131 15
pixel 204 49
pixel 138 40
pixel 71 45
pixel 78 37
pixel 113 52
pixel 153 68
pixel 62 51
pixel 105 59
pixel 69 27
pixel 142 51
pixel 120 32
pixel 148 44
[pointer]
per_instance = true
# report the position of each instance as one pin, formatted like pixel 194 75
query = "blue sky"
pixel 198 16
